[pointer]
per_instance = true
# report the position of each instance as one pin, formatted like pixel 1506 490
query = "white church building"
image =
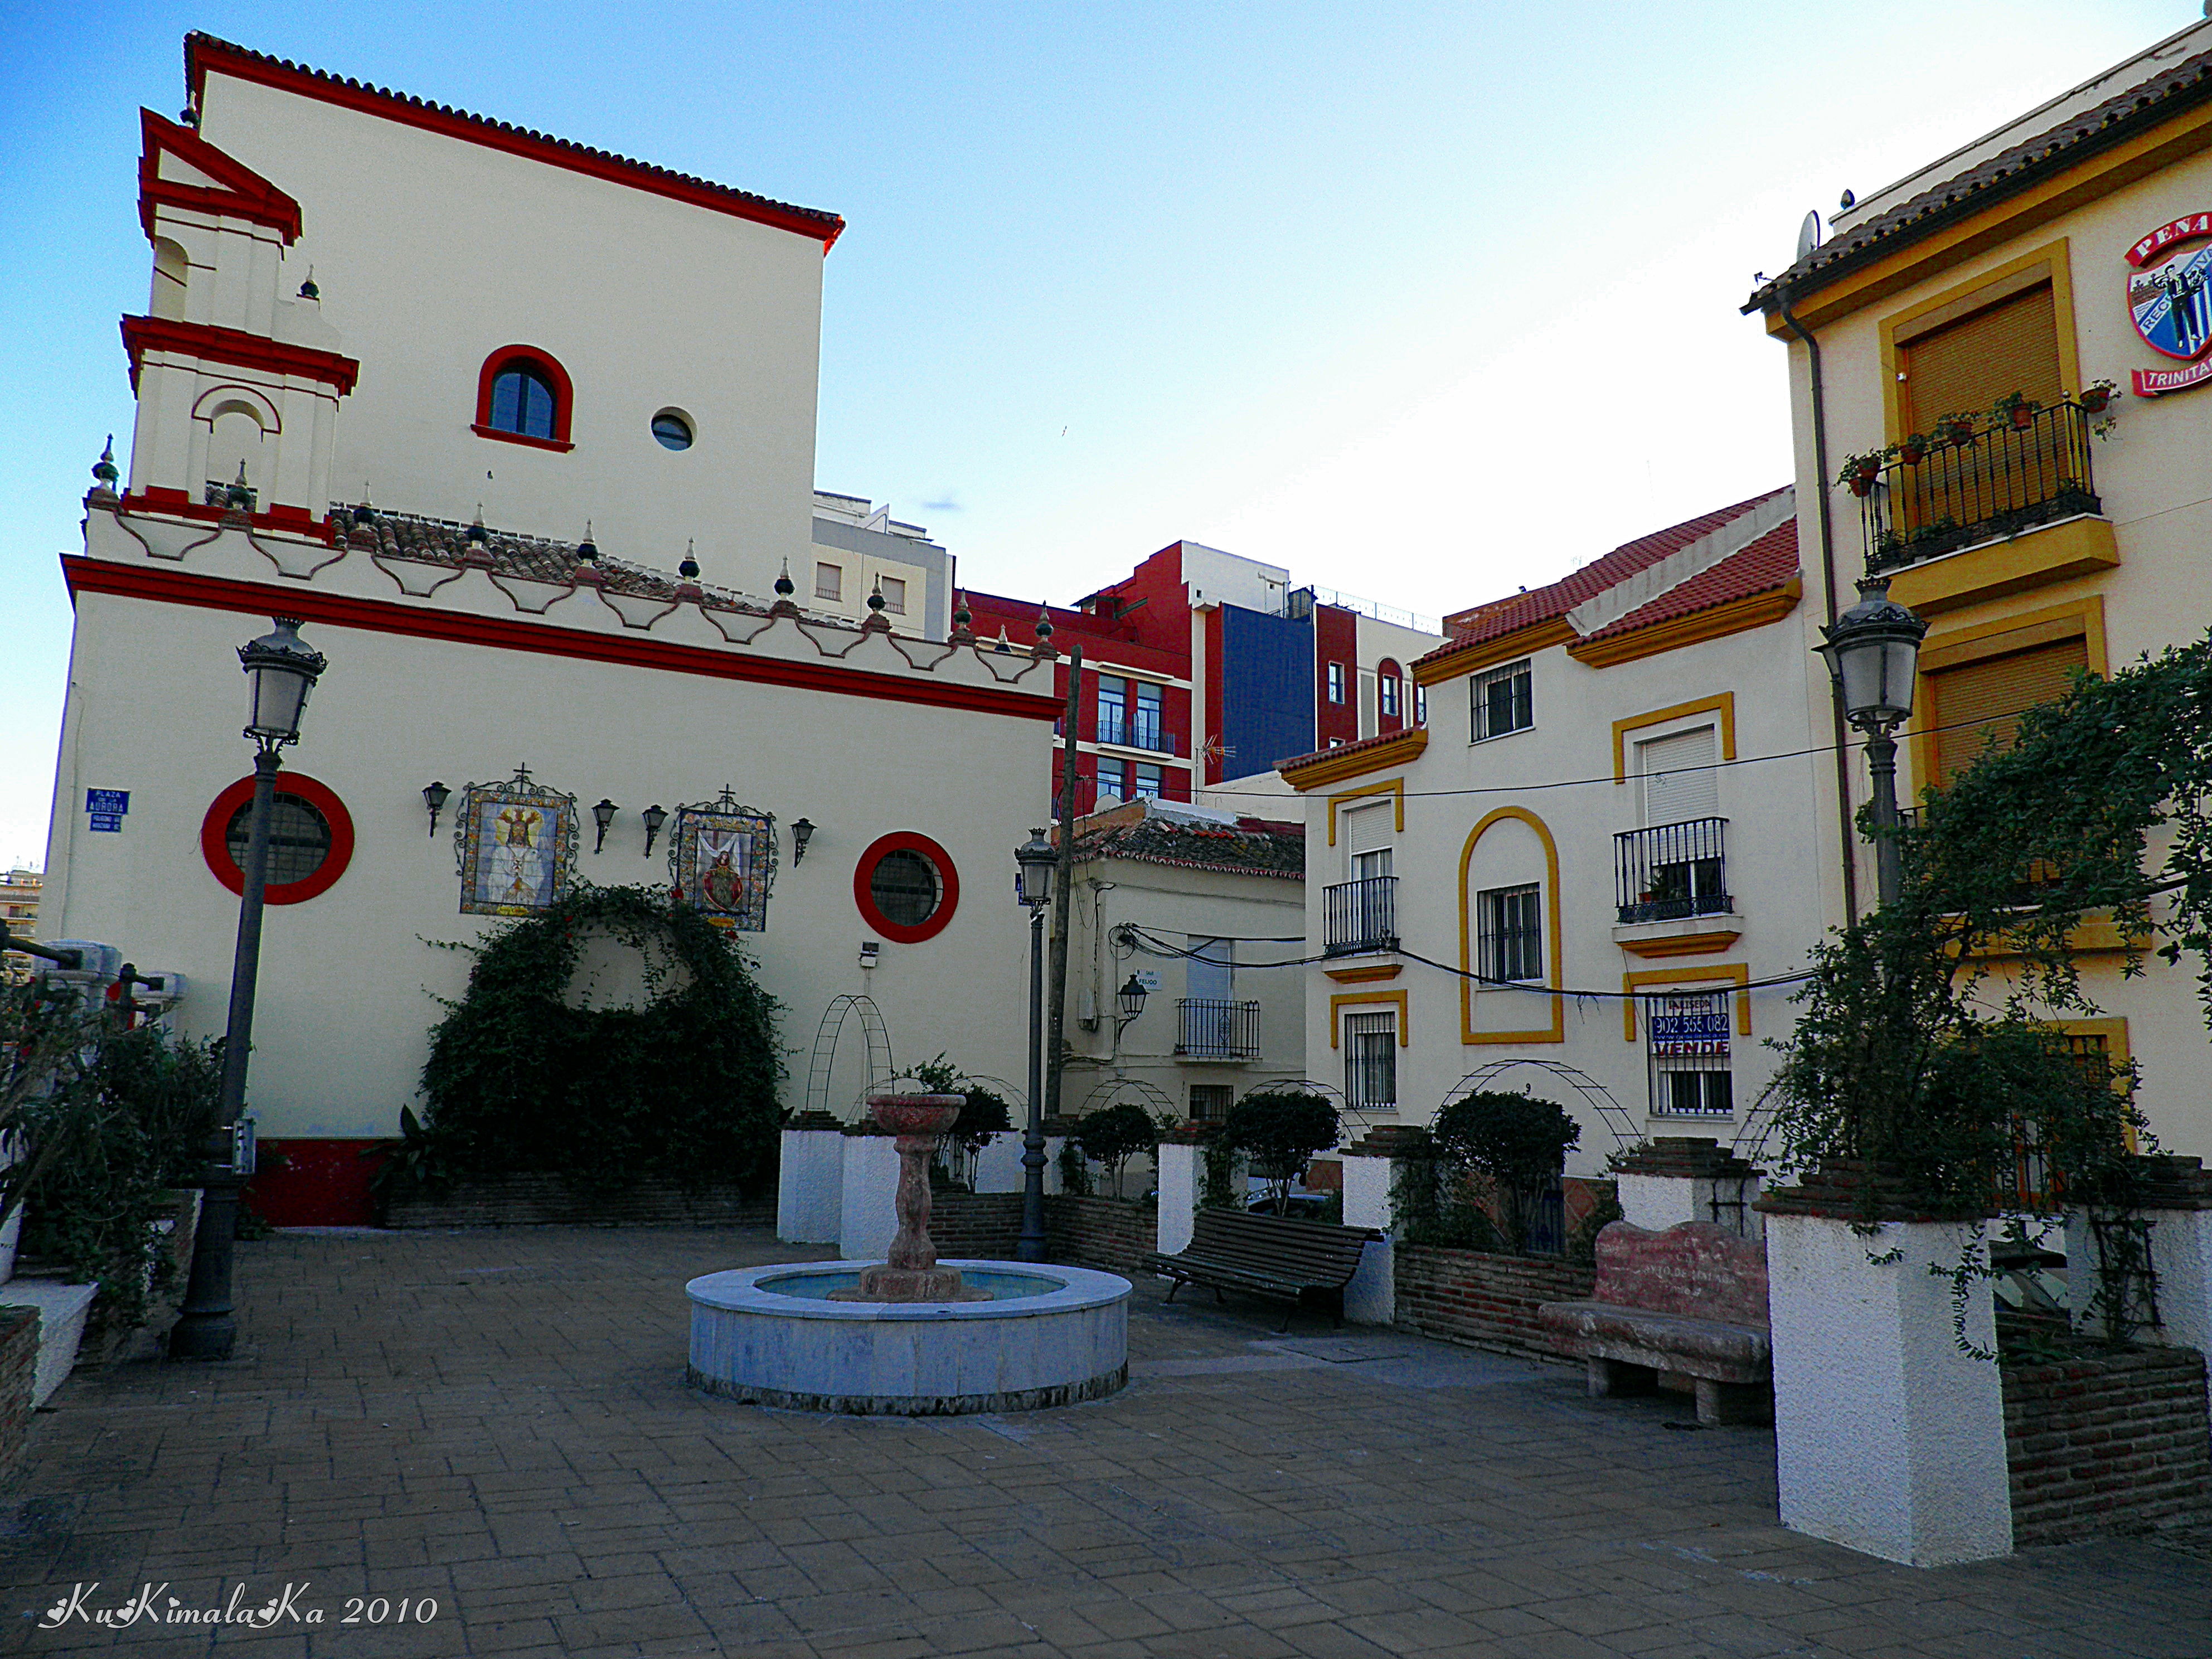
pixel 522 434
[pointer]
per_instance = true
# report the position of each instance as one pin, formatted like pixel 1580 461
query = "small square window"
pixel 894 590
pixel 829 582
pixel 1336 682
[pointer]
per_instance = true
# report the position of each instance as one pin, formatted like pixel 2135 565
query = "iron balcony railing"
pixel 1208 1028
pixel 1671 871
pixel 1973 481
pixel 1137 732
pixel 1360 915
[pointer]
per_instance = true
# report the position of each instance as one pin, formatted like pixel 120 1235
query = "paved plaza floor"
pixel 497 1423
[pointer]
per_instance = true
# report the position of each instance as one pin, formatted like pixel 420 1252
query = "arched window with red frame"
pixel 525 397
pixel 1390 696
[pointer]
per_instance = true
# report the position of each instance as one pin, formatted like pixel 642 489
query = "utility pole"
pixel 1063 882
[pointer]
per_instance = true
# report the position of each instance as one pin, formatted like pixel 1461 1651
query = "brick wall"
pixel 1487 1300
pixel 19 1363
pixel 2108 1445
pixel 986 1227
pixel 1100 1232
pixel 532 1199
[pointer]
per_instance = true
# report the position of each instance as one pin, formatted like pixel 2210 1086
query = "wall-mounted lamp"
pixel 801 833
pixel 869 951
pixel 603 814
pixel 434 797
pixel 1129 1001
pixel 655 816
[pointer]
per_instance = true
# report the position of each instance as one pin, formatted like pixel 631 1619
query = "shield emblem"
pixel 2172 304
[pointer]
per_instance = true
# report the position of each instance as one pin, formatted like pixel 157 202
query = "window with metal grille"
pixel 1502 701
pixel 905 887
pixel 1509 926
pixel 1148 733
pixel 1210 1102
pixel 1689 1035
pixel 894 591
pixel 1370 1061
pixel 299 838
pixel 829 582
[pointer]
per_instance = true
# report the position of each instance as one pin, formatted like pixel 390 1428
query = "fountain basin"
pixel 772 1336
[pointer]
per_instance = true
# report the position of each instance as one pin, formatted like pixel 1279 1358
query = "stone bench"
pixel 1691 1302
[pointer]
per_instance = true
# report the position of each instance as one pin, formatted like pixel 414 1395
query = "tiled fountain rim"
pixel 737 1290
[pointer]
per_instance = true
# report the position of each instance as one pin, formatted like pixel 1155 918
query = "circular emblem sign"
pixel 2170 288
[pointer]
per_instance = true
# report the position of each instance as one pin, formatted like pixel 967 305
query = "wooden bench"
pixel 1690 1302
pixel 1266 1256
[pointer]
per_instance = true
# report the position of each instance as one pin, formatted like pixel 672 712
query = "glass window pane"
pixel 905 887
pixel 299 838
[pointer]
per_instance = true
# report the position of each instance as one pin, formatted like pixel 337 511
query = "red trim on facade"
pixel 1390 719
pixel 163 501
pixel 215 844
pixel 235 346
pixel 564 396
pixel 906 841
pixel 1336 640
pixel 245 194
pixel 382 616
pixel 203 52
pixel 1215 674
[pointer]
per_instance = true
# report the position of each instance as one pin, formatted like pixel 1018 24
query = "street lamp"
pixel 281 669
pixel 1130 999
pixel 1874 652
pixel 1033 862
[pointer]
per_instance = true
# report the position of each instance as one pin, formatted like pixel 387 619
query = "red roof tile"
pixel 1546 603
pixel 1766 564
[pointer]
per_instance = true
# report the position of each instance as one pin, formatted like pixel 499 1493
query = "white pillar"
pixel 1887 1439
pixel 1673 1179
pixel 810 1182
pixel 1371 1297
pixel 869 1213
pixel 2178 1206
pixel 1179 1166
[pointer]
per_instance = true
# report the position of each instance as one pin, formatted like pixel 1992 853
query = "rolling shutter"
pixel 1977 700
pixel 1678 781
pixel 1965 367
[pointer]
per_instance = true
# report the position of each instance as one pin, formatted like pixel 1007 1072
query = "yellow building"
pixel 2011 346
pixel 19 909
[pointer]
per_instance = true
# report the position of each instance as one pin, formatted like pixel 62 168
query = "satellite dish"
pixel 1809 234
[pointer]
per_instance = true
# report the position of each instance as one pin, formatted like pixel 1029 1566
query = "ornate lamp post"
pixel 281 669
pixel 1874 652
pixel 1033 860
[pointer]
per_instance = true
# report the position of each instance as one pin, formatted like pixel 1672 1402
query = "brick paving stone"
pixel 401 1420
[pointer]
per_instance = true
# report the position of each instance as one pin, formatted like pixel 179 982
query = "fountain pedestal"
pixel 911 1273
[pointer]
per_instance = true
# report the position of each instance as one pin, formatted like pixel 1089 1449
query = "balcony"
pixel 1672 871
pixel 1977 481
pixel 1136 733
pixel 1207 1028
pixel 1360 915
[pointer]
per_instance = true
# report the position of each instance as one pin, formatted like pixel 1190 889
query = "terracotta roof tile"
pixel 2010 171
pixel 1554 600
pixel 1342 749
pixel 1253 847
pixel 1766 564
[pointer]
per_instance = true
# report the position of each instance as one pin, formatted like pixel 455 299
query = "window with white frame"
pixel 1500 702
pixel 1420 705
pixel 1336 682
pixel 1687 1034
pixel 829 582
pixel 1388 686
pixel 1113 709
pixel 1509 924
pixel 1370 1061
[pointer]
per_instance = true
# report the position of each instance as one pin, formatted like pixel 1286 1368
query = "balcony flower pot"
pixel 1959 434
pixel 2022 416
pixel 2096 399
pixel 1913 450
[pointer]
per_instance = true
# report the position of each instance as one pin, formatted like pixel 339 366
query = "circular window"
pixel 671 429
pixel 310 838
pixel 906 887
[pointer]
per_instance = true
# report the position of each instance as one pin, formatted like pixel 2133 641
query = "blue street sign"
pixel 111 822
pixel 107 803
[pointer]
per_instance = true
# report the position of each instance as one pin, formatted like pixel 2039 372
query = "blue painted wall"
pixel 1267 689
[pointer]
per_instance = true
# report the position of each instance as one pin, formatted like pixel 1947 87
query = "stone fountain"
pixel 910 1335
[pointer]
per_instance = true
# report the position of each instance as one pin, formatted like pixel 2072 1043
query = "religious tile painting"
pixel 516 845
pixel 722 859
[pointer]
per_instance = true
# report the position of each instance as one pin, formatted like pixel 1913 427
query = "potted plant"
pixel 1860 471
pixel 1957 430
pixel 1913 449
pixel 2097 396
pixel 2017 408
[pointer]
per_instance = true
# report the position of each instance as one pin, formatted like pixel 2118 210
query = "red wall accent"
pixel 1213 681
pixel 232 345
pixel 564 396
pixel 314 1184
pixel 203 52
pixel 215 845
pixel 909 840
pixel 382 616
pixel 1336 638
pixel 1385 720
pixel 244 193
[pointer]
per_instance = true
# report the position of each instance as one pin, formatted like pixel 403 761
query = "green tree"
pixel 1280 1130
pixel 1503 1153
pixel 1112 1135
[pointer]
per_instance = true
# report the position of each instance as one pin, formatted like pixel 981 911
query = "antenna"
pixel 1809 234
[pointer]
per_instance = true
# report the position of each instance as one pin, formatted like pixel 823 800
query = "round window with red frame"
pixel 906 887
pixel 310 838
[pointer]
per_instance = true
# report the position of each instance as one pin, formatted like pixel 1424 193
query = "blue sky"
pixel 1424 301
